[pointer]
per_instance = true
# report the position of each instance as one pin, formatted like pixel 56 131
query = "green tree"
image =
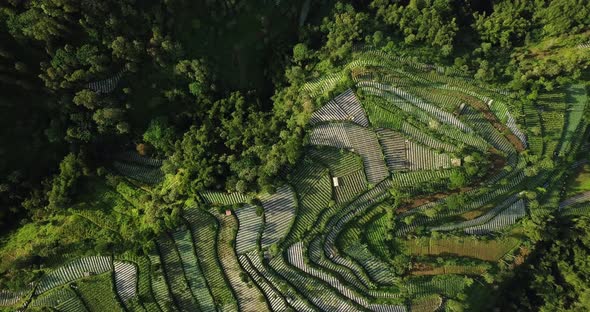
pixel 457 179
pixel 160 135
pixel 64 184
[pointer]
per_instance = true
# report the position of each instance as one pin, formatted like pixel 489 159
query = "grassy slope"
pixel 581 182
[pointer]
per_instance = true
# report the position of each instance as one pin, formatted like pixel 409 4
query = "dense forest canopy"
pixel 212 91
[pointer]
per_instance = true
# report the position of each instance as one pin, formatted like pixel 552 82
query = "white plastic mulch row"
pixel 441 115
pixel 105 86
pixel 125 279
pixel 352 106
pixel 279 212
pixel 486 130
pixel 378 270
pixel 421 158
pixel 488 216
pixel 309 286
pixel 136 158
pixel 249 229
pixel 503 219
pixel 577 199
pixel 74 270
pixel 345 215
pixel 223 198
pixel 291 296
pixel 142 173
pixel 344 107
pixel 9 298
pixel 418 136
pixel 353 137
pixel 274 298
pixel 318 257
pixel 295 256
pixel 394 149
pixel 513 178
pixel 194 275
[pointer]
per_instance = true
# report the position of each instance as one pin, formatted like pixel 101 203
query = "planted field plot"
pixel 125 280
pixel 574 200
pixel 425 121
pixel 488 250
pixel 271 294
pixel 349 186
pixel 292 296
pixel 144 169
pixel 478 198
pixel 10 298
pixel 486 130
pixel 295 256
pixel 344 107
pixel 340 162
pixel 319 258
pixel 322 85
pixel 422 158
pixel 250 227
pixel 107 85
pixel 448 285
pixel 583 209
pixel 221 198
pixel 348 176
pixel 62 299
pixel 315 291
pixel 175 275
pixel 248 295
pixel 360 140
pixel 72 271
pixel 204 228
pixel 426 304
pixel 97 294
pixel 416 135
pixel 500 109
pixel 505 218
pixel 356 225
pixel 145 174
pixel 439 114
pixel 379 271
pixel 451 269
pixel 345 215
pixel 160 287
pixel 413 179
pixel 394 149
pixel 53 298
pixel 315 192
pixel 192 270
pixel 379 115
pixel 145 299
pixel 133 157
pixel 510 208
pixel 279 213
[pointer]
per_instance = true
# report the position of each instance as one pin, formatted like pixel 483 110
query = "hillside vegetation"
pixel 423 155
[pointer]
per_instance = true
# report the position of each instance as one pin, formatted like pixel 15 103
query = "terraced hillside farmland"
pixel 410 194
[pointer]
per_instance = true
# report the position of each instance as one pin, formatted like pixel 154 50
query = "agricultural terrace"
pixel 411 193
